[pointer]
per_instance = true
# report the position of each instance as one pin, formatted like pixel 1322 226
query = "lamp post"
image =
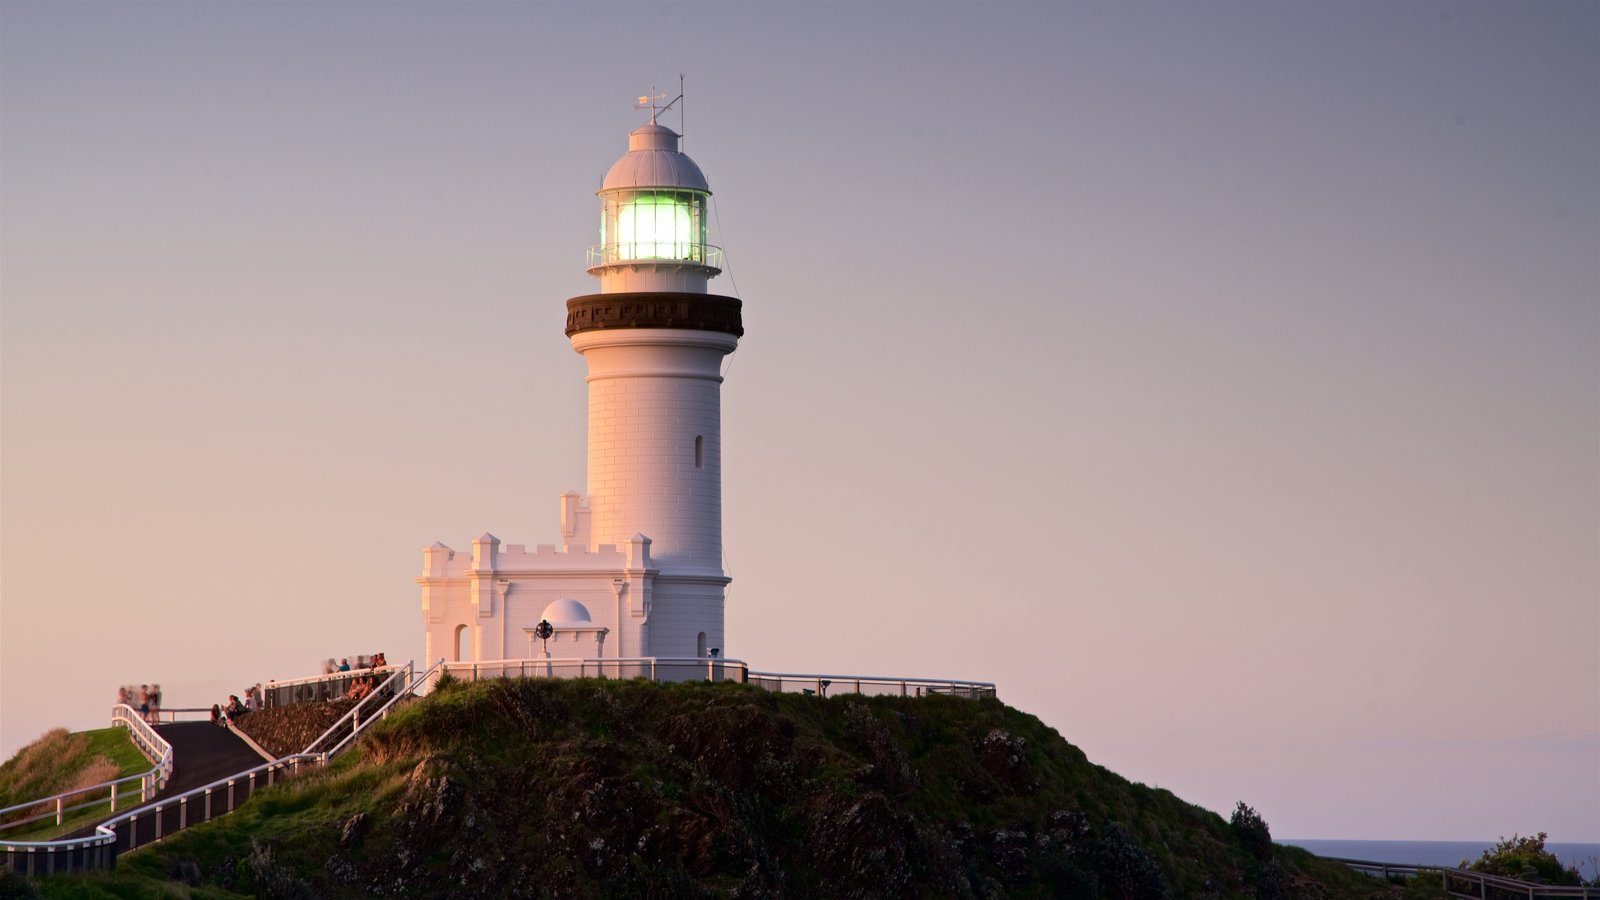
pixel 542 631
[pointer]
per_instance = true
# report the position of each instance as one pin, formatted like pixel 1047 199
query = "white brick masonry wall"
pixel 652 393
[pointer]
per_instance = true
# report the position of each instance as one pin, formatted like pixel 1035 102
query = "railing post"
pixel 208 805
pixel 183 813
pixel 60 809
pixel 158 823
pixel 230 795
pixel 113 796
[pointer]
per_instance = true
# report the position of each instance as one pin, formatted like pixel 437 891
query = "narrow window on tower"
pixel 699 451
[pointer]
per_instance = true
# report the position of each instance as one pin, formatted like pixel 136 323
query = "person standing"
pixel 144 702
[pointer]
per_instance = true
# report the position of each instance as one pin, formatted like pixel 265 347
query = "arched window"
pixel 463 644
pixel 700 646
pixel 699 451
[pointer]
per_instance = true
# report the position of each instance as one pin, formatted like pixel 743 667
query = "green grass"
pixel 60 761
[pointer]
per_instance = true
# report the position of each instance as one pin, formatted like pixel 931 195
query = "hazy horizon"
pixel 1220 379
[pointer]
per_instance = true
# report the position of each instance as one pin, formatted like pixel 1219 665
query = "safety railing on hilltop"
pixel 650 668
pixel 872 685
pixel 59 806
pixel 718 669
pixel 1470 885
pixel 153 821
pixel 317 688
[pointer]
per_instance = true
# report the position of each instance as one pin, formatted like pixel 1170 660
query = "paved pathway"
pixel 201 754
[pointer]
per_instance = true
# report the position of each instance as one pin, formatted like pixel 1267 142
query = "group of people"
pixel 375 661
pixel 221 715
pixel 148 697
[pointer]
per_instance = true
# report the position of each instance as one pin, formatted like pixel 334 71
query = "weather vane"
pixel 653 102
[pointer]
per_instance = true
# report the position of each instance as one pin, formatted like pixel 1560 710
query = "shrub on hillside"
pixel 1525 859
pixel 1252 831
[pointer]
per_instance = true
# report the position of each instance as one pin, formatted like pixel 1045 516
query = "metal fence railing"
pixel 318 688
pixel 718 669
pixel 1470 885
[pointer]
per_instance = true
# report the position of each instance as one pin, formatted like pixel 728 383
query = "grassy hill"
pixel 630 789
pixel 61 761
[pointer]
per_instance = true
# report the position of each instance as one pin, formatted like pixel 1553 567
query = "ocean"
pixel 1586 857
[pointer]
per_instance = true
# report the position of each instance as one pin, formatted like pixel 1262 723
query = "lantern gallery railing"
pixel 665 250
pixel 718 669
pixel 58 807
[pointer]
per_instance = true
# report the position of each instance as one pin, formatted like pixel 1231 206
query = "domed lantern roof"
pixel 653 160
pixel 653 223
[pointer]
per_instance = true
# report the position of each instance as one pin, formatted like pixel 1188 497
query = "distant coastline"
pixel 1585 857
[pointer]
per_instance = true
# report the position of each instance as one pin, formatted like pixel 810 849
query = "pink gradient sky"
pixel 1222 380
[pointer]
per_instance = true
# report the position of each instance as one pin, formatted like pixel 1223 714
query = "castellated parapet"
pixel 481 604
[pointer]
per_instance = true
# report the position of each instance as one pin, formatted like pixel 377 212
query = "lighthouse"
pixel 639 570
pixel 654 339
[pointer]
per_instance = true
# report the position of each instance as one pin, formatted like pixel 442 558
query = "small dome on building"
pixel 566 612
pixel 654 161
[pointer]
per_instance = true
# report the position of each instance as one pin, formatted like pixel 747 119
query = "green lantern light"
pixel 655 225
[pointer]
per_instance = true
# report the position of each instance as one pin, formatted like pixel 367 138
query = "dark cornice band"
pixel 655 309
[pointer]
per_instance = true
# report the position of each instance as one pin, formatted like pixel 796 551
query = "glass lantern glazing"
pixel 655 224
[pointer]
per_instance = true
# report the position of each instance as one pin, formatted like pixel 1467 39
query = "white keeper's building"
pixel 638 570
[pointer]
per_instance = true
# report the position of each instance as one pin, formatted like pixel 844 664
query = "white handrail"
pixel 355 711
pixel 880 679
pixel 331 676
pixel 150 743
pixel 651 667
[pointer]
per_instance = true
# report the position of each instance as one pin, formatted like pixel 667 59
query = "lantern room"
pixel 653 219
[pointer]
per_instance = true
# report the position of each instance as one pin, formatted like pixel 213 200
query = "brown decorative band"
pixel 655 309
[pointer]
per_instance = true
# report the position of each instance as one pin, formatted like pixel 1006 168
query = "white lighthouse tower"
pixel 654 339
pixel 639 570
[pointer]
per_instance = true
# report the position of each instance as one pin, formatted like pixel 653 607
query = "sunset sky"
pixel 1220 379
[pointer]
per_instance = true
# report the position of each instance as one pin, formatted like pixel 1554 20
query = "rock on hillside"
pixel 290 729
pixel 533 788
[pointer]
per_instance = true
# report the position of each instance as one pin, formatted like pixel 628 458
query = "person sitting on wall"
pixel 379 661
pixel 216 715
pixel 235 708
pixel 344 665
pixel 359 689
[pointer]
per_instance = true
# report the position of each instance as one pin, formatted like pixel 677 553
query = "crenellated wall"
pixel 494 593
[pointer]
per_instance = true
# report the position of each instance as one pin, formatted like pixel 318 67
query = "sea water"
pixel 1585 857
